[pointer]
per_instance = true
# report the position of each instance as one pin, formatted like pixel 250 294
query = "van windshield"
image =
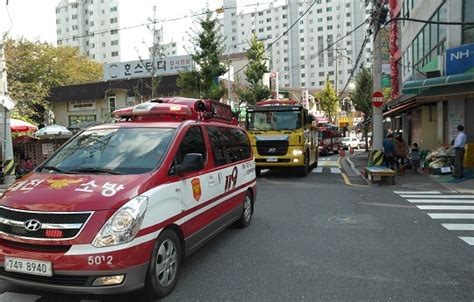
pixel 112 151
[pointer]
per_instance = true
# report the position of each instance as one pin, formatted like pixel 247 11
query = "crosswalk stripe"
pixel 416 192
pixel 459 226
pixel 317 170
pixel 335 170
pixel 446 207
pixel 468 240
pixel 438 196
pixel 460 201
pixel 451 215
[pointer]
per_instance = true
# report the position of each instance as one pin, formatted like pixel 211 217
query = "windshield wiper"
pixel 96 170
pixel 55 169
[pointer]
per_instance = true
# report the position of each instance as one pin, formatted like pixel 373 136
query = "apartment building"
pixel 90 25
pixel 299 56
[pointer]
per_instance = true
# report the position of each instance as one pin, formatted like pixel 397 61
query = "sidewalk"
pixel 415 181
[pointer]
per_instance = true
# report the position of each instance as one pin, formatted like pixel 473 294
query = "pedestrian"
pixel 402 152
pixel 459 144
pixel 29 165
pixel 389 151
pixel 415 157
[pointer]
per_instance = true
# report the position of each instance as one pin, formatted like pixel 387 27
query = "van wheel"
pixel 164 266
pixel 247 212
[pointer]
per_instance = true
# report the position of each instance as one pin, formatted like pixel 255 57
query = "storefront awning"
pixel 399 108
pixel 418 86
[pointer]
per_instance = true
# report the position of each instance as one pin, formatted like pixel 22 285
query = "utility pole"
pixel 377 115
pixel 6 104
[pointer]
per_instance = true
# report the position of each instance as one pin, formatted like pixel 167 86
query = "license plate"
pixel 32 267
pixel 272 159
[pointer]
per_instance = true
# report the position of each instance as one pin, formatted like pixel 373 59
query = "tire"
pixel 247 212
pixel 303 171
pixel 166 255
pixel 258 171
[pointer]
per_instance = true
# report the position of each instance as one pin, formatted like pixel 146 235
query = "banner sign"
pixel 145 68
pixel 460 59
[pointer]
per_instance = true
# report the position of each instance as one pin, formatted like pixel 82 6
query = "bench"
pixel 379 174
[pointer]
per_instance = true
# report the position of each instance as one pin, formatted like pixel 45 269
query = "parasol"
pixel 21 126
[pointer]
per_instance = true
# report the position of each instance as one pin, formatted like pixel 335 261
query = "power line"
pixel 315 55
pixel 429 21
pixel 109 30
pixel 359 56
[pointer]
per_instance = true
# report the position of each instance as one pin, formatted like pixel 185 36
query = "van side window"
pixel 218 151
pixel 236 144
pixel 193 142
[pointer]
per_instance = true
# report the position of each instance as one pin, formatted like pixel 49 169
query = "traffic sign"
pixel 377 99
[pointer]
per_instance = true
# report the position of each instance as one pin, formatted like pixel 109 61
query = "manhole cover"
pixel 345 220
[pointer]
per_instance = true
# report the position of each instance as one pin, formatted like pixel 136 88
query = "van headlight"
pixel 124 224
pixel 297 152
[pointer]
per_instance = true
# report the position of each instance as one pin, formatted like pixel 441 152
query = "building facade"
pixel 435 71
pixel 300 57
pixel 92 26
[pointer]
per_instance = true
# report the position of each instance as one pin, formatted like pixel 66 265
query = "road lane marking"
pixel 438 196
pixel 416 192
pixel 451 215
pixel 459 226
pixel 329 163
pixel 468 240
pixel 317 170
pixel 459 201
pixel 447 207
pixel 335 170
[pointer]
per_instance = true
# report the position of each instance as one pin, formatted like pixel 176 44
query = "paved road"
pixel 317 239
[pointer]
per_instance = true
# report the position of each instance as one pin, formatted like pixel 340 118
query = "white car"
pixel 352 142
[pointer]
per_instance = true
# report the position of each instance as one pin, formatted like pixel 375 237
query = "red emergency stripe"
pixel 171 220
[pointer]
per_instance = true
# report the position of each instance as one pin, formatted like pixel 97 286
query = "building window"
pixel 329 9
pixel 75 27
pixel 75 120
pixel 468 16
pixel 74 17
pixel 113 9
pixel 114 31
pixel 58 21
pixel 113 20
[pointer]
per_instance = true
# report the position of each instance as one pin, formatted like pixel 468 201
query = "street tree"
pixel 328 100
pixel 257 68
pixel 35 67
pixel 207 46
pixel 362 97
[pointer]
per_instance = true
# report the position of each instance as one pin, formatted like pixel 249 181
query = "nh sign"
pixel 460 59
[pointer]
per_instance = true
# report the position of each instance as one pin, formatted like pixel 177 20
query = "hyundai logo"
pixel 32 225
pixel 272 150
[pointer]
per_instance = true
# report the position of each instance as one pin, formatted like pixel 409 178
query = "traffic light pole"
pixel 6 105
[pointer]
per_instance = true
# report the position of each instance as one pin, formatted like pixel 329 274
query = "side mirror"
pixel 191 162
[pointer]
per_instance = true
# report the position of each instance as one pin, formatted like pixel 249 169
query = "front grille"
pixel 19 215
pixel 272 148
pixel 70 224
pixel 35 247
pixel 65 280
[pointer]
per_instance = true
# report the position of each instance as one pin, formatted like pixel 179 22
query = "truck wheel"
pixel 164 266
pixel 305 169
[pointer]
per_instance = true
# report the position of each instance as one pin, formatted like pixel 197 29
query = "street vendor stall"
pixel 440 160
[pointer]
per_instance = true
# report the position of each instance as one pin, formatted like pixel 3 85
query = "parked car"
pixel 352 142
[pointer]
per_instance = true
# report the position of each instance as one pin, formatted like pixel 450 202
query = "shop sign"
pixel 81 106
pixel 145 68
pixel 460 60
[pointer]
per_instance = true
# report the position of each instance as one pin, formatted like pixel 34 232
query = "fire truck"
pixel 282 136
pixel 119 206
pixel 330 138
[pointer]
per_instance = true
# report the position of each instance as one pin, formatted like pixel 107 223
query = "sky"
pixel 36 20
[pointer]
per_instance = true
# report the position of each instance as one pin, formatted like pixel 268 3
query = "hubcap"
pixel 166 263
pixel 247 208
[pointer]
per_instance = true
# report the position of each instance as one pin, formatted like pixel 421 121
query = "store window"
pixel 468 16
pixel 75 120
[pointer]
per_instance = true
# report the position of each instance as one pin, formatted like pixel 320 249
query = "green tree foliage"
pixel 328 100
pixel 33 68
pixel 208 45
pixel 254 73
pixel 362 97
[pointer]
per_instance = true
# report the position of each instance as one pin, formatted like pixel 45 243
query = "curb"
pixel 352 165
pixel 345 177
